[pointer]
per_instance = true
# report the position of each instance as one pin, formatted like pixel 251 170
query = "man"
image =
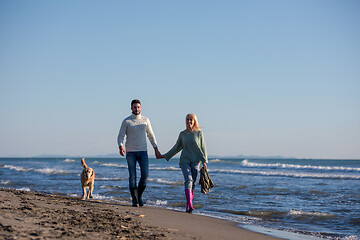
pixel 136 128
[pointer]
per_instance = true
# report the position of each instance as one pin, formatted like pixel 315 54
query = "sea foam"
pixel 289 174
pixel 4 182
pixel 165 168
pixel 24 189
pixel 162 181
pixel 113 165
pixel 294 212
pixel 246 163
pixel 68 160
pixel 17 168
pixel 40 170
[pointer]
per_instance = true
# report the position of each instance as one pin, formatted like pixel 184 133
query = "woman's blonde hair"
pixel 196 123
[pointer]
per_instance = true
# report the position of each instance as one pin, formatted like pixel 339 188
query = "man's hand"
pixel 204 164
pixel 122 150
pixel 158 154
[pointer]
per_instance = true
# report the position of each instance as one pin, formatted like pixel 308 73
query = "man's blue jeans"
pixel 143 160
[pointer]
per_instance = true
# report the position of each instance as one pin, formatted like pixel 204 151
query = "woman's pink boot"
pixel 189 196
pixel 191 200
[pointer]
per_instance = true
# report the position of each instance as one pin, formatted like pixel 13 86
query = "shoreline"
pixel 28 215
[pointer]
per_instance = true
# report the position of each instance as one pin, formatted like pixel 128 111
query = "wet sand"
pixel 31 215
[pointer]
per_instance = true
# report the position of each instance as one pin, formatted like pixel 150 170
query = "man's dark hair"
pixel 135 101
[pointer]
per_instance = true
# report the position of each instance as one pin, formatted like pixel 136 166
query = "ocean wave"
pixel 166 168
pixel 270 214
pixel 41 170
pixel 110 179
pixel 24 189
pixel 51 171
pixel 303 215
pixel 73 195
pixel 266 214
pixel 102 197
pixel 68 160
pixel 288 174
pixel 112 187
pixel 219 161
pixel 352 237
pixel 157 202
pixel 246 163
pixel 17 168
pixel 162 181
pixel 215 160
pixel 285 233
pixel 4 182
pixel 113 165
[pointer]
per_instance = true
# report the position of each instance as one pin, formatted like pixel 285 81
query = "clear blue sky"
pixel 264 77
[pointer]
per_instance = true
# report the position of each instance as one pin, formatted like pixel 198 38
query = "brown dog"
pixel 87 180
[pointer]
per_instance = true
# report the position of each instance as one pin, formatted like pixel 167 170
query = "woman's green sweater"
pixel 193 148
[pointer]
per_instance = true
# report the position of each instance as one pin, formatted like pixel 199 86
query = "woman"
pixel 191 142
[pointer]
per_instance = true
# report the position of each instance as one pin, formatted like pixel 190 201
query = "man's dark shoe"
pixel 140 192
pixel 134 194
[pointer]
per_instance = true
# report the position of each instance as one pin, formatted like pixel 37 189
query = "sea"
pixel 289 198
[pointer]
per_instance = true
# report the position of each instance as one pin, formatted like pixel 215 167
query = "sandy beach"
pixel 31 215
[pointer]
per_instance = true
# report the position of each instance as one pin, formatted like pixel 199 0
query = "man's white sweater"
pixel 136 128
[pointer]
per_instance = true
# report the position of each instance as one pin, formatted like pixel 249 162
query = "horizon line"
pixel 153 156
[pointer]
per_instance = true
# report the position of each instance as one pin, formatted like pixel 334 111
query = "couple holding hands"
pixel 191 141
